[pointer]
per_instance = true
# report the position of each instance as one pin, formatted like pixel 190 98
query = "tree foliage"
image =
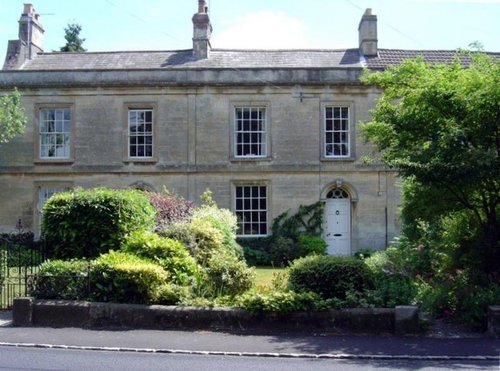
pixel 438 125
pixel 73 40
pixel 12 117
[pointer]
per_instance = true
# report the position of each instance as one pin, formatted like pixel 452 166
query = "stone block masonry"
pixel 61 313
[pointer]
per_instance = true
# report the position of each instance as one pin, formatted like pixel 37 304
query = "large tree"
pixel 438 125
pixel 12 116
pixel 73 40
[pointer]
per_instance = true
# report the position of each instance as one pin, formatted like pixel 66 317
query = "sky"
pixel 260 24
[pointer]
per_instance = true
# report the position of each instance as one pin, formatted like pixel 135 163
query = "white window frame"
pixel 251 206
pixel 250 135
pixel 54 133
pixel 140 136
pixel 337 131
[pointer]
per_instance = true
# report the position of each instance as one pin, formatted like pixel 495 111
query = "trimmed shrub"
pixel 312 244
pixel 87 223
pixel 257 302
pixel 227 275
pixel 170 208
pixel 166 252
pixel 58 279
pixel 329 276
pixel 124 278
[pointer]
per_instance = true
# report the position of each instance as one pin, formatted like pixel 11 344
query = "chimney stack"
pixel 30 41
pixel 368 34
pixel 202 30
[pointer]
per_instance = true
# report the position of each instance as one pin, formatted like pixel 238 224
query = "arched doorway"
pixel 337 229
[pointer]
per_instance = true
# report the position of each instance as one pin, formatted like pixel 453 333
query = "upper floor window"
pixel 250 132
pixel 251 210
pixel 140 130
pixel 55 133
pixel 337 131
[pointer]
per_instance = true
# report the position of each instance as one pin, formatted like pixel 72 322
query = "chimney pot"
pixel 28 8
pixel 202 30
pixel 30 41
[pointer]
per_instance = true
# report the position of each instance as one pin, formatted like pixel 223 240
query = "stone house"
pixel 265 130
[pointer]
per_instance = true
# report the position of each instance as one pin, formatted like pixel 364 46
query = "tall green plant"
pixel 86 223
pixel 12 116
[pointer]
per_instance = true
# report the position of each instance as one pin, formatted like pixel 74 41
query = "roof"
pixel 223 67
pixel 390 57
pixel 184 59
pixel 229 59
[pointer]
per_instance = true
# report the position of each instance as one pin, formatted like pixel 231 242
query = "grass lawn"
pixel 264 275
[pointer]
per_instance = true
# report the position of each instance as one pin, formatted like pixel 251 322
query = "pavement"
pixel 338 346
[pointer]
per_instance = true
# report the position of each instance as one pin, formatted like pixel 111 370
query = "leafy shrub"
pixel 20 249
pixel 124 278
pixel 171 294
pixel 329 276
pixel 312 244
pixel 256 250
pixel 86 223
pixel 473 303
pixel 393 289
pixel 166 252
pixel 224 221
pixel 170 208
pixel 284 250
pixel 226 274
pixel 181 231
pixel 58 279
pixel 364 254
pixel 283 302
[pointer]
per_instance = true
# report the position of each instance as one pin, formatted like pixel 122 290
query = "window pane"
pixel 337 132
pixel 251 210
pixel 54 128
pixel 140 133
pixel 250 131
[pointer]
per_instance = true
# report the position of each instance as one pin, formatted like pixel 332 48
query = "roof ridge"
pixel 116 52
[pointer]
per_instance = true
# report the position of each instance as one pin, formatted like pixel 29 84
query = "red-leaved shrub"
pixel 170 208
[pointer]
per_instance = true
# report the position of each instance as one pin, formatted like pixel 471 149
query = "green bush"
pixel 124 278
pixel 282 302
pixel 58 279
pixel 224 221
pixel 20 249
pixel 329 276
pixel 256 250
pixel 166 252
pixel 312 244
pixel 284 250
pixel 473 303
pixel 181 231
pixel 226 274
pixel 87 223
pixel 393 289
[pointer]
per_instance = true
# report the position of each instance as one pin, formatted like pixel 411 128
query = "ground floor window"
pixel 44 193
pixel 251 210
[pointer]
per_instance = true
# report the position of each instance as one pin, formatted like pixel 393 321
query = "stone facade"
pixel 193 107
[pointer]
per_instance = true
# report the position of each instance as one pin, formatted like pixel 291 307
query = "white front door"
pixel 338 226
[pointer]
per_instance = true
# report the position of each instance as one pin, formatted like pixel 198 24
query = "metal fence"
pixel 20 256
